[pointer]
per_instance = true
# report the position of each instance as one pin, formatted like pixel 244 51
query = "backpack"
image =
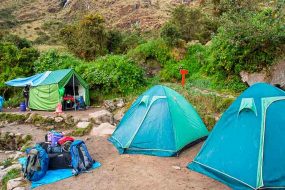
pixel 80 158
pixel 36 164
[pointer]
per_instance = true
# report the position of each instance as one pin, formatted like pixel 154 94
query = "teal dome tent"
pixel 160 122
pixel 246 149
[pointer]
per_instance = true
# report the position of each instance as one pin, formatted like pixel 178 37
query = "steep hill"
pixel 40 19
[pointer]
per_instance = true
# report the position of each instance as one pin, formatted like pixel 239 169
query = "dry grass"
pixel 30 16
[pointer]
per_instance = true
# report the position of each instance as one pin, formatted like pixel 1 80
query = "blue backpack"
pixel 36 164
pixel 80 158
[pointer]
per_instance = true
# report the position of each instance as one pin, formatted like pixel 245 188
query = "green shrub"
pixel 193 23
pixel 153 49
pixel 113 74
pixel 170 34
pixel 16 60
pixel 86 38
pixel 247 41
pixel 194 60
pixel 53 60
pixel 14 101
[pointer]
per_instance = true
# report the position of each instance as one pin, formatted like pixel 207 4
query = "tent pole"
pixel 74 92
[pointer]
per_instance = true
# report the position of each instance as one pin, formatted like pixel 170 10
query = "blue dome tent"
pixel 160 122
pixel 246 149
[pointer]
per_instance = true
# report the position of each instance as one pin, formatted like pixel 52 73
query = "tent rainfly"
pixel 160 122
pixel 45 88
pixel 246 148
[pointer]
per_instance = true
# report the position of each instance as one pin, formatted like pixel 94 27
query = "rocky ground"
pixel 117 171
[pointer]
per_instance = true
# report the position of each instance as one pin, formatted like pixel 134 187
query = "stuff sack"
pixel 53 137
pixel 80 157
pixel 65 139
pixel 36 164
pixel 59 161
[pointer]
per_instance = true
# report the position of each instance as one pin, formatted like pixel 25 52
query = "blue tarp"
pixel 53 176
pixel 32 81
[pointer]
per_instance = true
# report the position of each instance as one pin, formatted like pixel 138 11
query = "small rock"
pixel 176 167
pixel 19 188
pixel 13 183
pixel 83 124
pixel 50 127
pixel 119 115
pixel 109 105
pixel 84 119
pixel 58 119
pixel 102 116
pixel 30 118
pixel 103 130
pixel 120 103
pixel 87 138
pixel 9 152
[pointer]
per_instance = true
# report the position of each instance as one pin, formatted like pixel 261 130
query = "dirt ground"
pixel 123 172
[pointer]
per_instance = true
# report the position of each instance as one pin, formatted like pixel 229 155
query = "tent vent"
pixel 145 100
pixel 247 104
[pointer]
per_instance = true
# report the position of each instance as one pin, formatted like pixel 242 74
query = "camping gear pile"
pixel 57 152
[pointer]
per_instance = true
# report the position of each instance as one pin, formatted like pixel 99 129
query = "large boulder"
pixel 277 74
pixel 104 129
pixel 102 116
pixel 252 78
pixel 274 75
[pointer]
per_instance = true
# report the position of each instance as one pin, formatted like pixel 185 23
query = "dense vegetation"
pixel 214 41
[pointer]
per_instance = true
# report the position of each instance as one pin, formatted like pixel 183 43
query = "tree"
pixel 87 38
pixel 170 34
pixel 248 40
pixel 192 24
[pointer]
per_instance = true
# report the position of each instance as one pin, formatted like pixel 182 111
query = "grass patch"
pixel 78 132
pixel 6 163
pixel 10 118
pixel 7 18
pixel 12 174
pixel 209 105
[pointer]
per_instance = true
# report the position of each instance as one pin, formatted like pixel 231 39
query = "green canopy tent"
pixel 46 88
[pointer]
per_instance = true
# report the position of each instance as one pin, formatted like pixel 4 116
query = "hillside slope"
pixel 38 18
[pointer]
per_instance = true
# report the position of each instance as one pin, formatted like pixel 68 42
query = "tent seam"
pixel 264 113
pixel 223 173
pixel 131 140
pixel 174 131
